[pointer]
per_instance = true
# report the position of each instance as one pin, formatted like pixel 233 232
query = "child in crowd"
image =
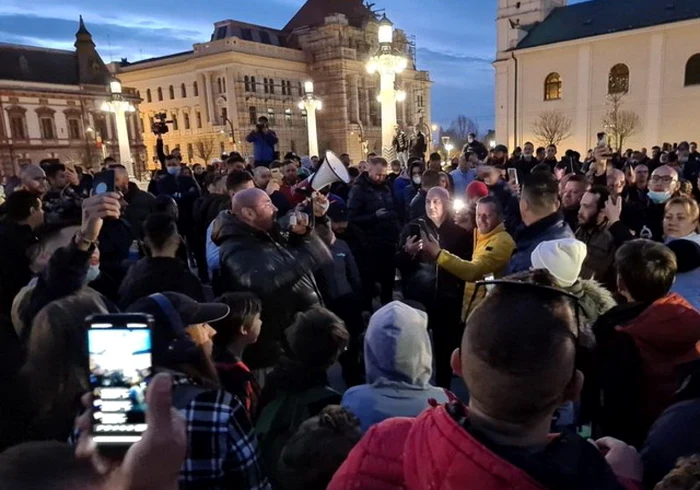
pixel 234 333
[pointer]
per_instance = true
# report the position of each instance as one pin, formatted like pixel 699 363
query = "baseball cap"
pixel 338 211
pixel 190 311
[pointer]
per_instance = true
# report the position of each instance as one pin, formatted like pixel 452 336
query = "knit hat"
pixel 562 258
pixel 477 190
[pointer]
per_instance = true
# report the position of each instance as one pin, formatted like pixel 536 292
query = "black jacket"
pixel 185 191
pixel 152 275
pixel 366 198
pixel 341 277
pixel 15 273
pixel 278 269
pixel 643 218
pixel 115 240
pixel 207 208
pixel 139 206
pixel 422 279
pixel 416 209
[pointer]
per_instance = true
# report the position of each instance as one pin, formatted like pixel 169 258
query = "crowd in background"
pixel 488 314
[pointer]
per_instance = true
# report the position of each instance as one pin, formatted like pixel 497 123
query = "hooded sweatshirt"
pixel 398 361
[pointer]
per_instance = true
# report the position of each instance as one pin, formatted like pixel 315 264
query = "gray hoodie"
pixel 398 361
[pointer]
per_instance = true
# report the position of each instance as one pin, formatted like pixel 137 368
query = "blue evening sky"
pixel 455 38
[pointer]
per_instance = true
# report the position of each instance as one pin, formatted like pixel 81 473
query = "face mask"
pixel 92 273
pixel 174 171
pixel 417 179
pixel 659 197
pixel 527 156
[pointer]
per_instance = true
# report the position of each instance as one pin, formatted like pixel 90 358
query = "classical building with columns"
pixel 50 107
pixel 214 93
pixel 554 57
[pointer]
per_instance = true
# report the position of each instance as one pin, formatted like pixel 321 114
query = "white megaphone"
pixel 332 170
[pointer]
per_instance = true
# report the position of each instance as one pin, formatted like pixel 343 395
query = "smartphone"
pixel 602 140
pixel 513 175
pixel 276 175
pixel 414 230
pixel 103 182
pixel 119 353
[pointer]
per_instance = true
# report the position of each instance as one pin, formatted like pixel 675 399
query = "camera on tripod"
pixel 160 124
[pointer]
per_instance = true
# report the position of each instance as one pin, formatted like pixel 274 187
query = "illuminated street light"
pixel 119 107
pixel 312 104
pixel 388 62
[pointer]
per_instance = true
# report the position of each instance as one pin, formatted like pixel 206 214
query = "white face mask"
pixel 417 179
pixel 92 274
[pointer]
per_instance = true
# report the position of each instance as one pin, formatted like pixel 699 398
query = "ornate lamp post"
pixel 119 107
pixel 232 136
pixel 388 62
pixel 312 104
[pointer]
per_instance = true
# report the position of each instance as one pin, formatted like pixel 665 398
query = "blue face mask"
pixel 659 197
pixel 174 171
pixel 92 274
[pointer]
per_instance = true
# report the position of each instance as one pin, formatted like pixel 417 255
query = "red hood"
pixel 670 326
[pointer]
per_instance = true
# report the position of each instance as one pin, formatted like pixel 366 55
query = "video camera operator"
pixel 264 141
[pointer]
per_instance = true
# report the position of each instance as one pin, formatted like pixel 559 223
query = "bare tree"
pixel 460 129
pixel 619 123
pixel 552 127
pixel 205 147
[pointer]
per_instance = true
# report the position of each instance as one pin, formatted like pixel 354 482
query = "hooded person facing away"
pixel 398 361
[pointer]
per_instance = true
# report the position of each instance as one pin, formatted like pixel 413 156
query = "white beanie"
pixel 562 258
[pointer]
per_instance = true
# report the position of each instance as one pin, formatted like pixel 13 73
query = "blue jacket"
pixel 263 145
pixel 552 227
pixel 462 180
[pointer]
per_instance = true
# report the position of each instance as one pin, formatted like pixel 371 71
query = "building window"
pixel 552 87
pixel 304 116
pixel 224 114
pixel 190 151
pixel 253 85
pixel 265 85
pixel 289 87
pixel 198 116
pixel 186 118
pixel 101 127
pixel 284 87
pixel 252 115
pixel 183 91
pixel 223 82
pixel 74 128
pixel 148 95
pixel 221 32
pixel 218 85
pixel 171 92
pixel 264 37
pixel 160 94
pixel 47 128
pixel 288 117
pixel 195 89
pixel 272 86
pixel 247 34
pixel 271 116
pixel 18 126
pixel 692 70
pixel 619 79
pixel 174 118
pixel 246 82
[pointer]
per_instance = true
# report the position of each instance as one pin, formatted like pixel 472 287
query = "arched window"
pixel 266 87
pixel 171 92
pixel 253 85
pixel 186 117
pixel 148 95
pixel 160 94
pixel 174 119
pixel 552 87
pixel 183 91
pixel 619 79
pixel 195 89
pixel 692 70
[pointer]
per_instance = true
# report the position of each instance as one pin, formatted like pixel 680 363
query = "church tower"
pixel 91 68
pixel 516 17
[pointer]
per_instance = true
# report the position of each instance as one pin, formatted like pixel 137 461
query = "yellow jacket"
pixel 492 252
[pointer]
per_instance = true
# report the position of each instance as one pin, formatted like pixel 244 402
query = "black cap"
pixel 338 211
pixel 502 148
pixel 191 312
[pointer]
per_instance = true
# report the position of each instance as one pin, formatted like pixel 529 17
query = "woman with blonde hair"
pixel 681 219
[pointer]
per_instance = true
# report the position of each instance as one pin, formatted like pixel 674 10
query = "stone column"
pixel 210 99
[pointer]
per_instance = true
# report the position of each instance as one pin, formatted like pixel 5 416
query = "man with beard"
pixel 262 176
pixel 256 257
pixel 525 163
pixel 499 157
pixel 139 204
pixel 576 186
pixel 289 181
pixel 593 231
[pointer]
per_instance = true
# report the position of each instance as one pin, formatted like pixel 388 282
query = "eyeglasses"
pixel 665 179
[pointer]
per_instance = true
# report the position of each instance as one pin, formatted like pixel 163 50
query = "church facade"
pixel 574 60
pixel 214 93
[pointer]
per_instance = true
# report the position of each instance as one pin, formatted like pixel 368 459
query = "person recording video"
pixel 264 141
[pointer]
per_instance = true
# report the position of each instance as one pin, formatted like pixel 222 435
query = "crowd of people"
pixel 557 297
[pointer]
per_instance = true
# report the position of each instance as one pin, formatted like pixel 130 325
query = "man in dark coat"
pixel 371 207
pixel 139 204
pixel 438 290
pixel 256 257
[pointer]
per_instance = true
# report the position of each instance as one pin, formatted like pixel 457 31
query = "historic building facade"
pixel 50 107
pixel 571 59
pixel 214 94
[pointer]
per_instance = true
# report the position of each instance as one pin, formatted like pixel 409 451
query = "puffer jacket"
pixel 278 269
pixel 435 451
pixel 492 251
pixel 366 198
pixel 552 227
pixel 399 363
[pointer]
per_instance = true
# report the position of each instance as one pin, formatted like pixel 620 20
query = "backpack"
pixel 280 420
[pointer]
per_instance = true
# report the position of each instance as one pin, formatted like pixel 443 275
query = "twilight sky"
pixel 455 38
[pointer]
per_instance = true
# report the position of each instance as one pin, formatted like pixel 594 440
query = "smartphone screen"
pixel 414 230
pixel 103 182
pixel 120 364
pixel 513 175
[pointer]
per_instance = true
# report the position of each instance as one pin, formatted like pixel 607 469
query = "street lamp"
pixel 226 120
pixel 388 62
pixel 312 104
pixel 119 107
